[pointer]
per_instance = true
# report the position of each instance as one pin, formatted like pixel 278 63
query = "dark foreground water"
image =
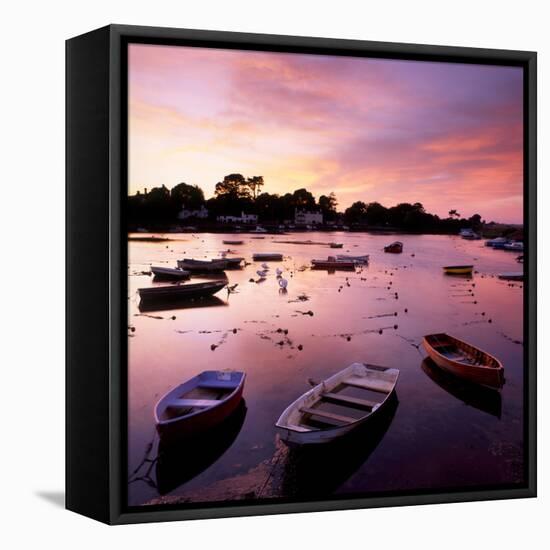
pixel 439 433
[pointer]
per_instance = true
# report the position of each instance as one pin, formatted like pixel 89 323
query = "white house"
pixel 243 218
pixel 303 217
pixel 201 213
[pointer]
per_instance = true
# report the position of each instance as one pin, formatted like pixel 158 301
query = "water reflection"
pixel 480 397
pixel 168 304
pixel 318 470
pixel 180 461
pixel 326 322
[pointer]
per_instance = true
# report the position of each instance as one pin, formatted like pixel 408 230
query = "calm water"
pixel 439 434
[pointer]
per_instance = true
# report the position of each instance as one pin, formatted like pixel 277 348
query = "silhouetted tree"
pixel 356 213
pixel 234 185
pixel 190 196
pixel 232 196
pixel 327 205
pixel 255 183
pixel 303 199
pixel 475 221
pixel 236 194
pixel 376 214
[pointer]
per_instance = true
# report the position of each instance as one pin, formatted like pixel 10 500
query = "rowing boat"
pixel 189 291
pixel 514 246
pixel 464 360
pixel 498 242
pixel 233 242
pixel 333 263
pixel 336 245
pixel 356 259
pixel 514 276
pixel 458 269
pixel 394 248
pixel 267 256
pixel 233 263
pixel 169 273
pixel 202 266
pixel 199 404
pixel 338 405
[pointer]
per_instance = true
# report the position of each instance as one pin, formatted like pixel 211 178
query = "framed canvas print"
pixel 301 274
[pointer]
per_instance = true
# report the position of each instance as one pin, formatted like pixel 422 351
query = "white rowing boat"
pixel 338 405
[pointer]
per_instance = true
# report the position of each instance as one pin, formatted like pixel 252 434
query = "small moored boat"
pixel 233 242
pixel 458 269
pixel 333 263
pixel 169 273
pixel 233 263
pixel 514 276
pixel 464 360
pixel 338 405
pixel 394 248
pixel 498 242
pixel 178 292
pixel 199 404
pixel 203 266
pixel 472 237
pixel 267 256
pixel 356 259
pixel 336 245
pixel 514 246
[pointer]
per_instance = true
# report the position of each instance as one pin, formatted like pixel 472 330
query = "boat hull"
pixel 233 263
pixel 321 264
pixel 201 421
pixel 192 291
pixel 363 260
pixel 267 257
pixel 294 435
pixel 196 266
pixel 170 274
pixel 511 276
pixel 492 377
pixel 459 270
pixel 394 248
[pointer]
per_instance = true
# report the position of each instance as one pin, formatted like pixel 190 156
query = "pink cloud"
pixel 447 135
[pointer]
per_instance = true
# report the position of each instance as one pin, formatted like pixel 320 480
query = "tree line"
pixel 237 193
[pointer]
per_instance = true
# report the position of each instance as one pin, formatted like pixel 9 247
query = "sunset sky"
pixel 447 135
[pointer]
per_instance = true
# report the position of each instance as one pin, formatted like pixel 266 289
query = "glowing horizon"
pixel 447 135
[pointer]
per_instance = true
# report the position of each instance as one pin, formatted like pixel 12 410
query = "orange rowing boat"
pixel 464 360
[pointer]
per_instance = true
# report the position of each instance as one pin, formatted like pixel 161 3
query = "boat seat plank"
pixel 187 403
pixel 218 385
pixel 328 415
pixel 348 400
pixel 299 428
pixel 377 385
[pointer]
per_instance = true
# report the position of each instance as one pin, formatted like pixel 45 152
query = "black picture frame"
pixel 96 259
